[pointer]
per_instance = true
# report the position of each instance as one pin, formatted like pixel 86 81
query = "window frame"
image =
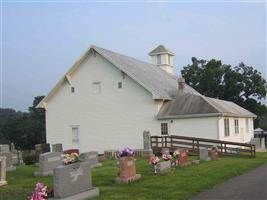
pixel 164 128
pixel 226 127
pixel 72 89
pixel 236 125
pixel 75 140
pixel 247 125
pixel 159 59
pixel 119 85
pixel 94 86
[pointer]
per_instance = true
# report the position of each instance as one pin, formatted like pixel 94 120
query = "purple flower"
pixel 126 152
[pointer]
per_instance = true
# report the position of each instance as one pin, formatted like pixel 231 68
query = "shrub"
pixel 30 159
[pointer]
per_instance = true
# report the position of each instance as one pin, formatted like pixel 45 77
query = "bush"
pixel 30 159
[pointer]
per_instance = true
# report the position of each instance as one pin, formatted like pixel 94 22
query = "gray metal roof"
pixel 159 50
pixel 161 84
pixel 190 105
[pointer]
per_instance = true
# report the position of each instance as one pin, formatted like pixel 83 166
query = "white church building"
pixel 106 100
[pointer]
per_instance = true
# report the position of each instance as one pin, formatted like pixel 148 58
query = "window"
pixel 72 89
pixel 119 84
pixel 226 127
pixel 247 125
pixel 164 128
pixel 169 59
pixel 96 87
pixel 236 126
pixel 75 135
pixel 158 59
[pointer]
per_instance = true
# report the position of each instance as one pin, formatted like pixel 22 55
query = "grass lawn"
pixel 180 183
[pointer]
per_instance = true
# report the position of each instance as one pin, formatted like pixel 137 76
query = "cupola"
pixel 163 58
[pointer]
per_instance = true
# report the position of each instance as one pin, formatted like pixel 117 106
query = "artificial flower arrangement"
pixel 176 154
pixel 40 192
pixel 154 160
pixel 70 158
pixel 126 152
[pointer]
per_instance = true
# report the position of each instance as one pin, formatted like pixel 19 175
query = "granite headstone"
pixel 47 162
pixel 74 182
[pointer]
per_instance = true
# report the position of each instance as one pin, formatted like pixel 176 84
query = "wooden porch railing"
pixel 193 144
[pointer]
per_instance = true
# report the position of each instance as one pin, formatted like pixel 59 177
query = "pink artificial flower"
pixel 40 192
pixel 166 157
pixel 154 160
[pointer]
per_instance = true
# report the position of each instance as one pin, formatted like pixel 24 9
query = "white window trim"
pixel 236 126
pixel 159 60
pixel 164 129
pixel 226 127
pixel 75 142
pixel 94 85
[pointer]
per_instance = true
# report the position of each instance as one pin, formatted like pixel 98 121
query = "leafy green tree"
pixel 24 129
pixel 241 84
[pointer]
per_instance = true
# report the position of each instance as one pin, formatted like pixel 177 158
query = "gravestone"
pixel 263 143
pixel 42 148
pixel 74 182
pixel 12 147
pixel 9 164
pixel 204 154
pixel 162 167
pixel 47 162
pixel 20 158
pixel 57 148
pixel 182 159
pixel 146 140
pixel 127 171
pixel 165 151
pixel 214 154
pixel 3 170
pixel 256 142
pixel 4 148
pixel 91 157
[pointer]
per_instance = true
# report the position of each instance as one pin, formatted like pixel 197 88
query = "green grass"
pixel 179 183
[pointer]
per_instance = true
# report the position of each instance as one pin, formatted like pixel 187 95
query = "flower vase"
pixel 155 169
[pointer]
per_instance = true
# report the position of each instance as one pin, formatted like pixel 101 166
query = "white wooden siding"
pixel 243 136
pixel 206 127
pixel 114 118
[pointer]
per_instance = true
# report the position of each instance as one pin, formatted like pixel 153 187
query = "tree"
pixel 24 129
pixel 241 84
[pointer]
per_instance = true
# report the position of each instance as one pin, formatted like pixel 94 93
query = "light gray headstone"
pixel 256 142
pixel 91 157
pixel 165 151
pixel 47 162
pixel 163 166
pixel 72 179
pixel 3 170
pixel 263 143
pixel 4 148
pixel 57 148
pixel 204 154
pixel 9 165
pixel 146 140
pixel 12 147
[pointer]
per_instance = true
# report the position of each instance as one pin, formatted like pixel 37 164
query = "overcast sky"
pixel 40 41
